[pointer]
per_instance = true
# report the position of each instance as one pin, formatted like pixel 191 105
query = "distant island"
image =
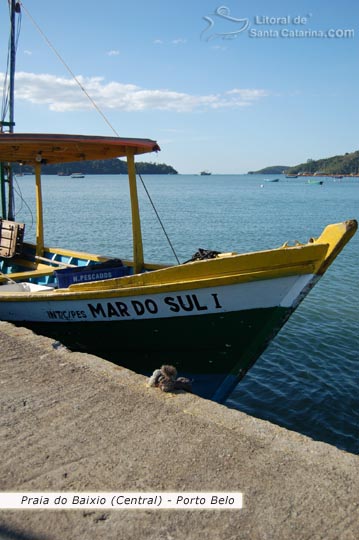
pixel 103 166
pixel 346 164
pixel 275 169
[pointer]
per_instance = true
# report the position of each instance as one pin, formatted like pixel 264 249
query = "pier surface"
pixel 72 422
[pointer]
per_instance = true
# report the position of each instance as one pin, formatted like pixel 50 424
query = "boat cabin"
pixel 43 265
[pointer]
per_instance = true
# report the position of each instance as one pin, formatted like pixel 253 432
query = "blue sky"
pixel 228 86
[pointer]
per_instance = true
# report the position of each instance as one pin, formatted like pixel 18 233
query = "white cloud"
pixel 63 94
pixel 158 42
pixel 113 52
pixel 247 94
pixel 27 52
pixel 179 41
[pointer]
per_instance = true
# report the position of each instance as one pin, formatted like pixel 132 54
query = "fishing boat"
pixel 211 317
pixel 205 173
pixel 271 179
pixel 77 175
pixel 315 182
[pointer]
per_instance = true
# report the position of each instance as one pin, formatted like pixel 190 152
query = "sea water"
pixel 307 379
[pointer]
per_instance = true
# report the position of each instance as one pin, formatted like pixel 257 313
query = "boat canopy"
pixel 35 148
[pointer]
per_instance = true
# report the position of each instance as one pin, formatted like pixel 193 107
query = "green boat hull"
pixel 214 350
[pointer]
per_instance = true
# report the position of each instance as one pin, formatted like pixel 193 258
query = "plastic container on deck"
pixel 93 272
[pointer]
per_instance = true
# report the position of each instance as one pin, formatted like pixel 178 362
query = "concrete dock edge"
pixel 74 422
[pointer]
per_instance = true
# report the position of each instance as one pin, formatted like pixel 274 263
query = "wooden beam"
pixel 138 261
pixel 39 212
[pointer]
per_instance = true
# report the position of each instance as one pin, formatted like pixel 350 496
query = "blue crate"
pixel 93 272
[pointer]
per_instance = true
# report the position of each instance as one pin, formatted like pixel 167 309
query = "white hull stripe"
pixel 283 292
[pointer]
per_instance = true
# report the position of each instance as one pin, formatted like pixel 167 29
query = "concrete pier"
pixel 73 422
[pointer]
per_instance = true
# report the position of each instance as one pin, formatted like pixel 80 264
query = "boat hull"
pixel 215 351
pixel 210 318
pixel 212 335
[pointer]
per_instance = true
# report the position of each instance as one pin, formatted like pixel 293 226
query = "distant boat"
pixel 77 175
pixel 271 179
pixel 318 182
pixel 291 176
pixel 205 173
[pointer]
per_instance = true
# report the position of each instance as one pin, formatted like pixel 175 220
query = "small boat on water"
pixel 205 173
pixel 211 317
pixel 77 175
pixel 315 182
pixel 271 179
pixel 291 175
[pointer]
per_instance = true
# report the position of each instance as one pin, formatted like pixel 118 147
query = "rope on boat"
pixel 7 278
pixel 166 380
pixel 92 101
pixel 203 254
pixel 158 217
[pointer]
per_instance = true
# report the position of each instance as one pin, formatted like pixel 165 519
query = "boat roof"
pixel 31 148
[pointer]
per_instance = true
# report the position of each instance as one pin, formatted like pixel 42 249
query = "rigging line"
pixel 99 111
pixel 5 97
pixel 158 217
pixel 92 101
pixel 23 201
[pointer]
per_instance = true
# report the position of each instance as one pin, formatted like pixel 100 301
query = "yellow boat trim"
pixel 336 235
pixel 272 263
pixel 76 254
pixel 198 275
pixel 138 261
pixel 67 294
pixel 39 212
pixel 41 270
pixel 311 258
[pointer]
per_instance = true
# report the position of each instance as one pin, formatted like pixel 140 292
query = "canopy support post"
pixel 138 260
pixel 2 191
pixel 39 212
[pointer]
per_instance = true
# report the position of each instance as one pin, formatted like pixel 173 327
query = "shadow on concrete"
pixel 6 533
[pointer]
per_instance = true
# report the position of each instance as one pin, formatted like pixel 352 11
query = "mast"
pixel 6 170
pixel 12 65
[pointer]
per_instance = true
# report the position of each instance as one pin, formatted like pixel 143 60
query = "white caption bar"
pixel 119 501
